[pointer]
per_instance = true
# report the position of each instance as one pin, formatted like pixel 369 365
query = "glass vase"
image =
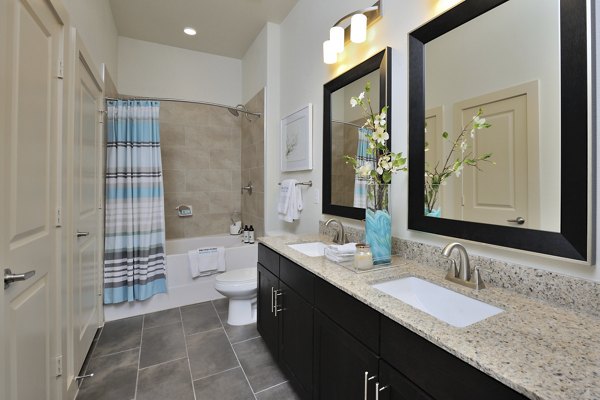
pixel 378 223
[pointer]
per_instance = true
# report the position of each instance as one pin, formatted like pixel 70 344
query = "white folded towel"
pixel 332 255
pixel 206 261
pixel 348 248
pixel 285 193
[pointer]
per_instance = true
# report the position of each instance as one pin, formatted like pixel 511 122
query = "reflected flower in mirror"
pixel 460 154
pixel 381 163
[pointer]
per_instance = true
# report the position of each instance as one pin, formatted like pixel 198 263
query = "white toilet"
pixel 239 286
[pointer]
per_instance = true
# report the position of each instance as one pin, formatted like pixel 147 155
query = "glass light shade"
pixel 189 31
pixel 329 53
pixel 336 36
pixel 358 28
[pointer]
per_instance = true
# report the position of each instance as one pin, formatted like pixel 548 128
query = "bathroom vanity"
pixel 337 337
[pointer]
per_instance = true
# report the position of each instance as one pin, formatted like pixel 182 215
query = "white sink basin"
pixel 451 307
pixel 313 249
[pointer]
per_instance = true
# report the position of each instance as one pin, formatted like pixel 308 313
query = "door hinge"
pixel 58 218
pixel 61 69
pixel 59 367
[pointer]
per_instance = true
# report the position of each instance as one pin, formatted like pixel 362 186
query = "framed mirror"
pixel 500 125
pixel 341 123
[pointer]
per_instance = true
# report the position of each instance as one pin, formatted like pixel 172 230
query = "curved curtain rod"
pixel 256 114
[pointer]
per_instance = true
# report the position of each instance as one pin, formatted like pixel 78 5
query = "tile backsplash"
pixel 575 293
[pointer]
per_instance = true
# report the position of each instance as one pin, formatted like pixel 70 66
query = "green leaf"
pixel 445 135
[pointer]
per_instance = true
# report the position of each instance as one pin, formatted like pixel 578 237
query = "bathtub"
pixel 181 288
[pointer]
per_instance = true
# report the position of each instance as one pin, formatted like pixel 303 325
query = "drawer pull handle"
pixel 277 293
pixel 378 389
pixel 272 299
pixel 367 379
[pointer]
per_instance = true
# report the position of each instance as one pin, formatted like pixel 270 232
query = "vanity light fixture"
pixel 351 27
pixel 189 31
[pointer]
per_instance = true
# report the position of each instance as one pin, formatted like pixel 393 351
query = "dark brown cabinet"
pixel 332 346
pixel 285 317
pixel 341 363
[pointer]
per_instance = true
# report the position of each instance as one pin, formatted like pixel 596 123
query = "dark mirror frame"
pixel 383 62
pixel 576 216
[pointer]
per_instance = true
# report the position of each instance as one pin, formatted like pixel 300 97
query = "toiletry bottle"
pixel 251 234
pixel 246 234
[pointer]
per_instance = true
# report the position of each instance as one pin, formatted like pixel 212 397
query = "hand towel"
pixel 290 201
pixel 285 193
pixel 206 261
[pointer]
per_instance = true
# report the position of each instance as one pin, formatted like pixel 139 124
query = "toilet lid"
pixel 238 275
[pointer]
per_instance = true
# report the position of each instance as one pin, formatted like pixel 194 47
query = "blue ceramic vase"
pixel 378 223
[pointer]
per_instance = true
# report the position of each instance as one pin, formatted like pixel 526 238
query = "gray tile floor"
pixel 183 353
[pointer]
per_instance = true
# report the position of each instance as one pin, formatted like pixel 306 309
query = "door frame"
pixel 77 53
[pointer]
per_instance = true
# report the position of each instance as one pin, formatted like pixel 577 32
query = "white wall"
pixel 302 77
pixel 155 70
pixel 94 21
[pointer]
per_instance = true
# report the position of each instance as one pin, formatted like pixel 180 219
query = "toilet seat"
pixel 242 275
pixel 236 282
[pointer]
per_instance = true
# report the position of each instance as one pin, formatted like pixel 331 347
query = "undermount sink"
pixel 312 249
pixel 448 306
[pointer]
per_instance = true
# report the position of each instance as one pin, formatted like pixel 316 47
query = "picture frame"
pixel 296 140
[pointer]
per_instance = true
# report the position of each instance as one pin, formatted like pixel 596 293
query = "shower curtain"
pixel 134 255
pixel 362 157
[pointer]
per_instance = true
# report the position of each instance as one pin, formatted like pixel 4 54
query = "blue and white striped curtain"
pixel 134 255
pixel 362 157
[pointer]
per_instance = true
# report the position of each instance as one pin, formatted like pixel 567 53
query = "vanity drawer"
pixel 297 278
pixel 268 259
pixel 360 320
pixel 442 375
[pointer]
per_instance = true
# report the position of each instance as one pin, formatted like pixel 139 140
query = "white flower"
pixel 365 169
pixel 361 96
pixel 458 171
pixel 379 170
pixel 478 122
pixel 380 135
pixel 473 133
pixel 463 145
pixel 353 102
pixel 376 121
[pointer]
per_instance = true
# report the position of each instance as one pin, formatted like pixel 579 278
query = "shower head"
pixel 235 111
pixel 242 108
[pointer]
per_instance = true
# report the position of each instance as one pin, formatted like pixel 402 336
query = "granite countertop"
pixel 541 351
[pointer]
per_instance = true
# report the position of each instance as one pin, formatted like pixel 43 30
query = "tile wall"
pixel 200 148
pixel 252 157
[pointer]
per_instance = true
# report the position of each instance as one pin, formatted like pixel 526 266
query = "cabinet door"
pixel 266 321
pixel 395 386
pixel 341 363
pixel 296 339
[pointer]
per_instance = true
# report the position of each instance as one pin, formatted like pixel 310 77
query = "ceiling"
pixel 225 27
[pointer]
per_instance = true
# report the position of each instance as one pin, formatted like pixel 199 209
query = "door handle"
pixel 82 234
pixel 272 299
pixel 378 389
pixel 367 379
pixel 518 220
pixel 277 293
pixel 9 277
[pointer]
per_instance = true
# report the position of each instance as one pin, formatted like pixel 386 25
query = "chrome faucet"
pixel 340 236
pixel 462 274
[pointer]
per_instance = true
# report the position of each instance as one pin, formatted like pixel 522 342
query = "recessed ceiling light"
pixel 189 31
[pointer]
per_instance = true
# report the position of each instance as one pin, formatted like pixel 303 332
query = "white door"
pixel 499 192
pixel 30 119
pixel 86 208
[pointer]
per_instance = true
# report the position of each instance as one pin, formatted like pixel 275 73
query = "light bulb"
pixel 329 53
pixel 189 31
pixel 336 36
pixel 358 28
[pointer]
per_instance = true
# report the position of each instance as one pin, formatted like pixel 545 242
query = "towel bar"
pixel 309 183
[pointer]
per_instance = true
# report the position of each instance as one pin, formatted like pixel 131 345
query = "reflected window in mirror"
pixel 341 125
pixel 499 125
